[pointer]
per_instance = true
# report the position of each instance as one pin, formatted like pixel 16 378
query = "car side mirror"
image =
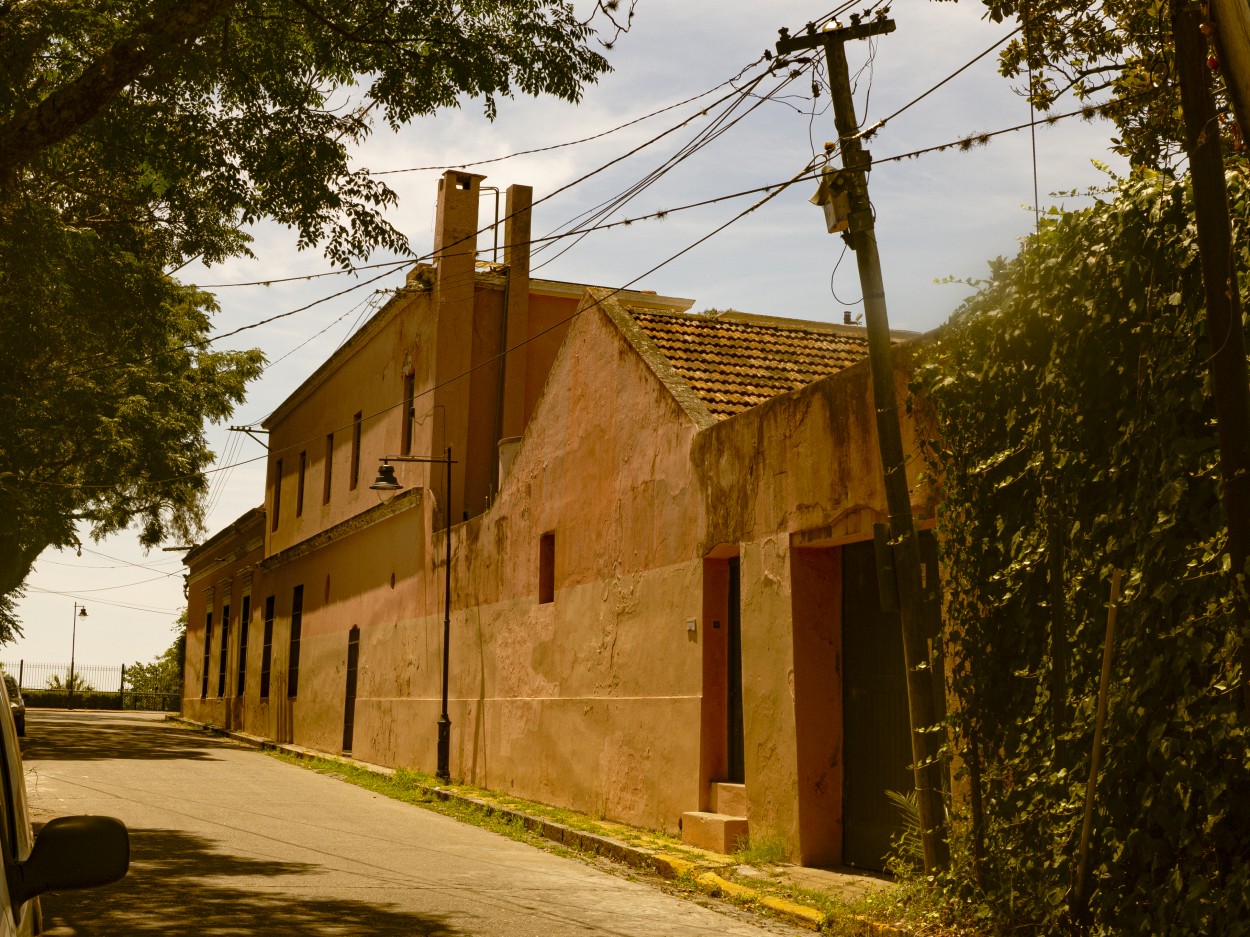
pixel 71 852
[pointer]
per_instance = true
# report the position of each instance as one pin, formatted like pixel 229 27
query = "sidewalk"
pixel 793 893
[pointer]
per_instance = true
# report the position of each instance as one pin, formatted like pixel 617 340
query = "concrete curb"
pixel 645 860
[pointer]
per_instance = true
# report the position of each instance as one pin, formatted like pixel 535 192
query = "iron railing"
pixel 95 686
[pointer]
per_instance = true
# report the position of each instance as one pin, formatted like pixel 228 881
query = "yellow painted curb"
pixel 715 883
pixel 796 912
pixel 671 866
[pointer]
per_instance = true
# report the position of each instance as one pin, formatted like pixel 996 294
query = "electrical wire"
pixel 128 585
pixel 660 136
pixel 596 136
pixel 873 128
pixel 1088 112
pixel 719 126
pixel 773 191
pixel 98 601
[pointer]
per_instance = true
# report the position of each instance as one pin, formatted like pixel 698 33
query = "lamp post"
pixel 386 482
pixel 80 611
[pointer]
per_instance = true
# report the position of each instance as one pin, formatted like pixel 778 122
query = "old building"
pixel 662 596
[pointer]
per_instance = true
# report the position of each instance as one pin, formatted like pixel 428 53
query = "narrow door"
pixel 737 761
pixel 349 704
pixel 876 730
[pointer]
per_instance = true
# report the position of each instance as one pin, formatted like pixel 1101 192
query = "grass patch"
pixel 769 849
pixel 416 787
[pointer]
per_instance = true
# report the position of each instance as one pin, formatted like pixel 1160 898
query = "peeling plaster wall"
pixel 592 700
pixel 221 573
pixel 801 471
pixel 367 378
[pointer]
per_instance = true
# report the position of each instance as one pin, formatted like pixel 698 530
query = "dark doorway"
pixel 876 728
pixel 736 747
pixel 349 703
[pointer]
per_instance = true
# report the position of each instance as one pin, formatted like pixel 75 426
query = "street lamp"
pixel 386 482
pixel 80 611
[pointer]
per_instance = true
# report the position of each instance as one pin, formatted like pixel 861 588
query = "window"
pixel 277 494
pixel 297 621
pixel 224 641
pixel 299 487
pixel 244 620
pixel 329 470
pixel 266 651
pixel 355 476
pixel 410 413
pixel 208 654
pixel 547 568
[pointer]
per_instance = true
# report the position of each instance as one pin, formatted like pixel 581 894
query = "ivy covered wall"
pixel 1075 436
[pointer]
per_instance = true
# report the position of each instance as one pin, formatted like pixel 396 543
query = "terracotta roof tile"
pixel 733 365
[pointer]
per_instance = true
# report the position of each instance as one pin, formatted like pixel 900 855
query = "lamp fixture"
pixel 386 481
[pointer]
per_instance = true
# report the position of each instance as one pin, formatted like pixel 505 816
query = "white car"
pixel 70 852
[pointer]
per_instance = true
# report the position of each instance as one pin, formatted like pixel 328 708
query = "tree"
pixel 1075 425
pixel 136 135
pixel 75 682
pixel 163 674
pixel 1118 51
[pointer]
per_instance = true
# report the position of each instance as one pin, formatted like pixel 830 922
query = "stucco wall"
pixel 591 700
pixel 220 574
pixel 802 473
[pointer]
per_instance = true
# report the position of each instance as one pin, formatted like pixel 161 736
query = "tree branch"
pixel 64 111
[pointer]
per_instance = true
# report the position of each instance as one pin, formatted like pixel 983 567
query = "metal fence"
pixel 95 686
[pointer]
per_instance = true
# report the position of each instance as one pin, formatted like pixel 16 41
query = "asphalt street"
pixel 226 840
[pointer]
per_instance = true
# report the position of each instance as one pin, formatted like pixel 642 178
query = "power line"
pixel 97 601
pixel 596 136
pixel 773 191
pixel 1088 112
pixel 212 339
pixel 719 126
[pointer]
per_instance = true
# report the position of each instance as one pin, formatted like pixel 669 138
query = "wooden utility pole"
pixel 1231 19
pixel 925 737
pixel 1225 329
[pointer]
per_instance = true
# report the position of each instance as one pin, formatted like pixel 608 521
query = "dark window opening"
pixel 266 651
pixel 349 697
pixel 355 475
pixel 329 470
pixel 277 494
pixel 299 488
pixel 208 654
pixel 297 621
pixel 225 650
pixel 547 568
pixel 244 620
pixel 410 412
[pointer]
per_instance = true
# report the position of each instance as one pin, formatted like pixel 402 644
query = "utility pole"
pixel 1231 33
pixel 862 238
pixel 1229 383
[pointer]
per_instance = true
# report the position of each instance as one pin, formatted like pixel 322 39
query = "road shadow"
pixel 56 735
pixel 170 891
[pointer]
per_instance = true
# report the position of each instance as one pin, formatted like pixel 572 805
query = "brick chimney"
pixel 455 257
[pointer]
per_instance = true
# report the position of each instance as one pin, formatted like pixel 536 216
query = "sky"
pixel 939 216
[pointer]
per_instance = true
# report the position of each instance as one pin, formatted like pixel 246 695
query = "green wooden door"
pixel 875 729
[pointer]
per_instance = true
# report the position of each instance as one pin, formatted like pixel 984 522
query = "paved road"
pixel 228 841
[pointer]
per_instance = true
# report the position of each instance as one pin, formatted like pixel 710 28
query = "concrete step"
pixel 715 832
pixel 729 798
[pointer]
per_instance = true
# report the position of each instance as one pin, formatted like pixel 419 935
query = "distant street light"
pixel 386 482
pixel 80 611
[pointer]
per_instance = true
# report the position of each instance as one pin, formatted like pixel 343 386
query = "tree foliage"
pixel 1113 52
pixel 137 135
pixel 1076 437
pixel 162 675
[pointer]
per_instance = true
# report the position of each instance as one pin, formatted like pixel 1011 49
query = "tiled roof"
pixel 732 364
